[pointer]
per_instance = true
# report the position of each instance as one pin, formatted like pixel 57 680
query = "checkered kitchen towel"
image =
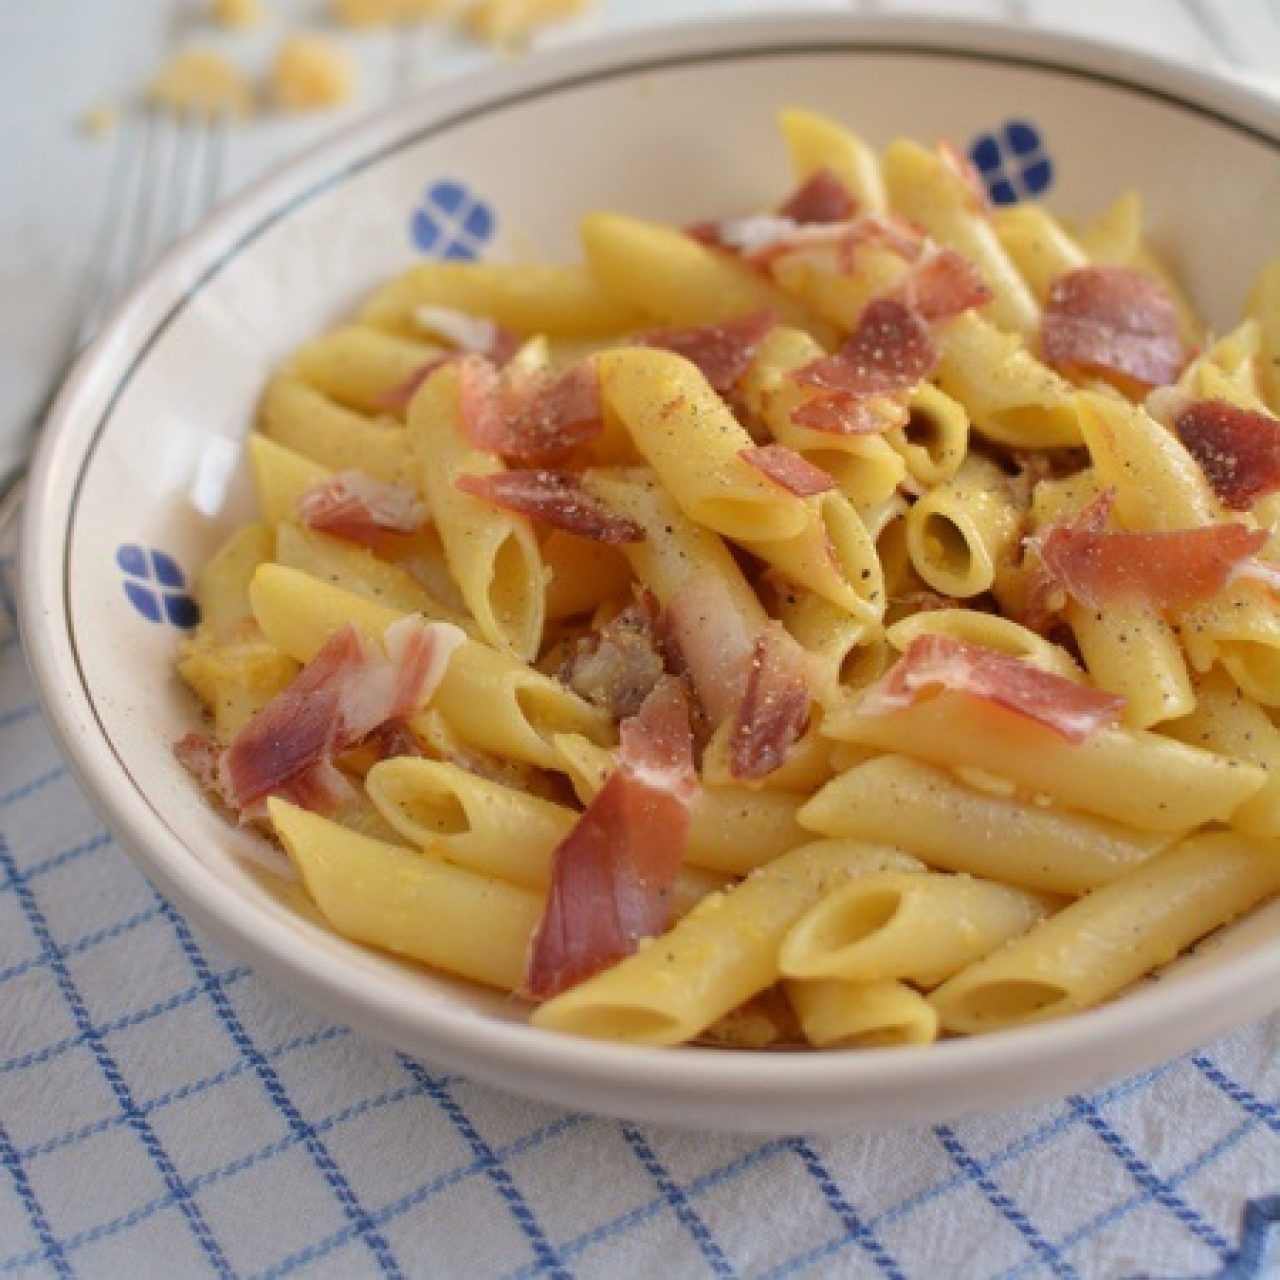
pixel 164 1113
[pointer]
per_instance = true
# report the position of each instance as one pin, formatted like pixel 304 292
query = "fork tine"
pixel 96 285
pixel 145 199
pixel 215 155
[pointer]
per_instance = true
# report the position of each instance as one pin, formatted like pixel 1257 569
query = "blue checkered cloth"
pixel 163 1112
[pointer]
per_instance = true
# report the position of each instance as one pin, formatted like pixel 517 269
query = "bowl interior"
pixel 146 474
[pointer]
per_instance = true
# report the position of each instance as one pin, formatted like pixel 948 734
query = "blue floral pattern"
pixel 1013 162
pixel 451 222
pixel 156 586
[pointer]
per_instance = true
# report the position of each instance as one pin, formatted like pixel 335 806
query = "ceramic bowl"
pixel 140 473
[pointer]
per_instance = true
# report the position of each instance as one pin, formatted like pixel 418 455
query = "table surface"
pixel 162 1112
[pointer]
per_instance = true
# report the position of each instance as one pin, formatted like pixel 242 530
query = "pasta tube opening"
pixel 988 1005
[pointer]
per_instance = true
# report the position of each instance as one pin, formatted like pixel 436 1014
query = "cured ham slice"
pixel 788 469
pixel 1165 570
pixel 612 876
pixel 774 707
pixel 721 351
pixel 1112 321
pixel 557 498
pixel 618 667
pixel 942 285
pixel 821 198
pixel 709 640
pixel 1237 449
pixel 346 692
pixel 889 351
pixel 360 509
pixel 537 418
pixel 1074 711
pixel 841 414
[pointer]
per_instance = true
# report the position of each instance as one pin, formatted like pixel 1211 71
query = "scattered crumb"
pixel 311 72
pixel 99 121
pixel 380 13
pixel 511 22
pixel 203 83
pixel 236 13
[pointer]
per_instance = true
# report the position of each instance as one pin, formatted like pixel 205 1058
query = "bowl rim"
pixel 1210 1000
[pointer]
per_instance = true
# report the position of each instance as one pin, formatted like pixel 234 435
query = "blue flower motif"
pixel 451 222
pixel 156 586
pixel 1012 162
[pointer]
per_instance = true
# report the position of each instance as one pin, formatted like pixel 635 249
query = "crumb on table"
pixel 378 13
pixel 200 82
pixel 236 13
pixel 311 72
pixel 99 121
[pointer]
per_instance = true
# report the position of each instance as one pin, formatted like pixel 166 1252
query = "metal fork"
pixel 165 175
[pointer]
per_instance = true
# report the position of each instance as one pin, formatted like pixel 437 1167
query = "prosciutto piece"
pixel 347 691
pixel 1112 321
pixel 721 351
pixel 841 414
pixel 942 285
pixel 358 508
pixel 785 467
pixel 821 198
pixel 1073 711
pixel 557 498
pixel 774 708
pixel 1237 449
pixel 612 876
pixel 889 351
pixel 1170 570
pixel 536 418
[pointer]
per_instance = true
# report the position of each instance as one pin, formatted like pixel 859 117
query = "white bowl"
pixel 143 452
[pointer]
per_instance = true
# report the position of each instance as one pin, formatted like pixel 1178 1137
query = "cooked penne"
pixel 921 927
pixel 492 554
pixel 816 142
pixel 362 368
pixel 1131 650
pixel 1130 776
pixel 493 700
pixel 963 533
pixel 930 813
pixel 1099 945
pixel 720 955
pixel 305 420
pixel 559 301
pixel 886 635
pixel 671 277
pixel 693 442
pixel 1040 247
pixel 838 1015
pixel 1012 399
pixel 927 190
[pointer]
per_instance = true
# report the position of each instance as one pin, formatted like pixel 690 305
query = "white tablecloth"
pixel 163 1112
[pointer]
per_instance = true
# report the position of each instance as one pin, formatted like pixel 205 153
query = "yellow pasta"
pixel 816 142
pixel 560 301
pixel 838 1015
pixel 720 955
pixel 991 802
pixel 1099 945
pixel 493 555
pixel 954 827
